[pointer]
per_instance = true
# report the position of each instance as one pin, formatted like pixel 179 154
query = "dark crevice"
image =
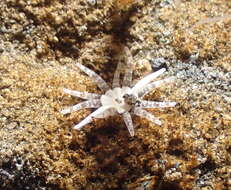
pixel 163 185
pixel 18 174
pixel 206 167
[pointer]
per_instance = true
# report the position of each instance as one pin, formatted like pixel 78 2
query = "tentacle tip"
pixel 78 64
pixel 64 112
pixel 65 90
pixel 162 69
pixel 77 127
pixel 173 104
pixel 132 134
pixel 172 79
pixel 158 122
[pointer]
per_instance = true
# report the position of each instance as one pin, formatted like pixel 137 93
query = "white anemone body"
pixel 115 99
pixel 125 100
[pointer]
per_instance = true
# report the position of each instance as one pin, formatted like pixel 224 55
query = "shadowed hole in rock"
pixel 176 147
pixel 168 186
pixel 206 167
pixel 18 174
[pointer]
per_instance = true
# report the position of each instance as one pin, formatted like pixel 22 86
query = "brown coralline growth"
pixel 40 42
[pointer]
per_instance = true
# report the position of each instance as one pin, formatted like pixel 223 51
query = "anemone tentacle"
pixel 86 104
pixel 124 100
pixel 98 79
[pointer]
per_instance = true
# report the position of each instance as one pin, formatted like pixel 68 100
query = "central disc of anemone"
pixel 117 99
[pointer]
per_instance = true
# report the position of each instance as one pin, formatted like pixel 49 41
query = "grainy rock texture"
pixel 40 40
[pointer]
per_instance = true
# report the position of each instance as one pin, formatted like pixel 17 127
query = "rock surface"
pixel 40 40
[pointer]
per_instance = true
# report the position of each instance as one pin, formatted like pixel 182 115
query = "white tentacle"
pixel 82 105
pixel 129 68
pixel 146 80
pixel 96 78
pixel 143 113
pixel 116 79
pixel 89 118
pixel 153 104
pixel 128 121
pixel 143 91
pixel 83 95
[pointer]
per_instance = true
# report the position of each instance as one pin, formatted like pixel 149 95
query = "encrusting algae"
pixel 40 41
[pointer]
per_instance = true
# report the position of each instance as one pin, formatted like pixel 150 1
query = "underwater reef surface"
pixel 40 42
